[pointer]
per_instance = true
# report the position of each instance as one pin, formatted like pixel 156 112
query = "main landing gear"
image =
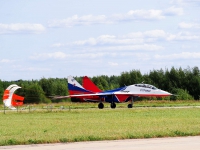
pixel 112 105
pixel 130 106
pixel 101 105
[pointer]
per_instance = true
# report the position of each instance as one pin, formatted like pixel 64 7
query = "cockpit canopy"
pixel 146 86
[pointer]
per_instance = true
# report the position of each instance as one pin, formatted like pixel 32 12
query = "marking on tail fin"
pixel 75 88
pixel 73 82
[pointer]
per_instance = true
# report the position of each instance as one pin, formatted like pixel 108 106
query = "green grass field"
pixel 70 105
pixel 72 125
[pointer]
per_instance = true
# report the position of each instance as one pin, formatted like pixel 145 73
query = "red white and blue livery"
pixel 90 92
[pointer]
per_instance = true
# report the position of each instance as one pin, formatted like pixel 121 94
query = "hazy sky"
pixel 57 38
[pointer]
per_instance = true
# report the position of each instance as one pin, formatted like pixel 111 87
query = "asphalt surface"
pixel 176 143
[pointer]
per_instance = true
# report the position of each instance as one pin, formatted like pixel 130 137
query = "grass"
pixel 93 124
pixel 70 105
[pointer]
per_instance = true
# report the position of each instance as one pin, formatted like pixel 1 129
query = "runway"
pixel 172 143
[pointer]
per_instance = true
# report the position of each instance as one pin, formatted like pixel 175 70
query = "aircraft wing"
pixel 101 94
pixel 84 95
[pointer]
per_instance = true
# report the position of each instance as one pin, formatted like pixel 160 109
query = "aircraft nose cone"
pixel 167 93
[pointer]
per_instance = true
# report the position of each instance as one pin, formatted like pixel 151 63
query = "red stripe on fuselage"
pixel 84 98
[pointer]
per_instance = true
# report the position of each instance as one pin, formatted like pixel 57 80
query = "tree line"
pixel 184 83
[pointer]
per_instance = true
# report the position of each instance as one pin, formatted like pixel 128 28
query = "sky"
pixel 58 38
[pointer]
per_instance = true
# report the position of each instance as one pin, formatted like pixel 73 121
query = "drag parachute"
pixel 10 99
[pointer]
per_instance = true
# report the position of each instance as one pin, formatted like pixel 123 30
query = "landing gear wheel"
pixel 130 105
pixel 113 105
pixel 101 105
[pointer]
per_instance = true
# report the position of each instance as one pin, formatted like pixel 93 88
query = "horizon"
pixel 166 69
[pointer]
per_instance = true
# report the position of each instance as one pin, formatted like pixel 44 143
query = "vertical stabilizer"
pixel 74 87
pixel 73 82
pixel 89 85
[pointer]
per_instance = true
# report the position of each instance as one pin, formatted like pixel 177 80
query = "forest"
pixel 184 83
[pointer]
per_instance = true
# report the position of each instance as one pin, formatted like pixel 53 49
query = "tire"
pixel 113 105
pixel 130 106
pixel 101 105
pixel 74 99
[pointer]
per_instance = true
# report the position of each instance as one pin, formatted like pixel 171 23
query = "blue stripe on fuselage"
pixel 109 97
pixel 115 90
pixel 75 88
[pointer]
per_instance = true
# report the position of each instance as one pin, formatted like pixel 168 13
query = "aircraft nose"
pixel 167 93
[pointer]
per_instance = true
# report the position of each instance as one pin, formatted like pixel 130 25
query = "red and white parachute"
pixel 10 99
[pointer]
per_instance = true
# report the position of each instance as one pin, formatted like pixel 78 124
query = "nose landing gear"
pixel 131 104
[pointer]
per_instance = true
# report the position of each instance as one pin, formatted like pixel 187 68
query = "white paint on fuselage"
pixel 143 89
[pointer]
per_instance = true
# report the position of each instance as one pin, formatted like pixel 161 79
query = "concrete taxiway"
pixel 183 143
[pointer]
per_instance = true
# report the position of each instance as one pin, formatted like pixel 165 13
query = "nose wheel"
pixel 131 104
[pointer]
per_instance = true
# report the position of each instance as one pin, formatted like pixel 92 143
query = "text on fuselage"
pixel 145 90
